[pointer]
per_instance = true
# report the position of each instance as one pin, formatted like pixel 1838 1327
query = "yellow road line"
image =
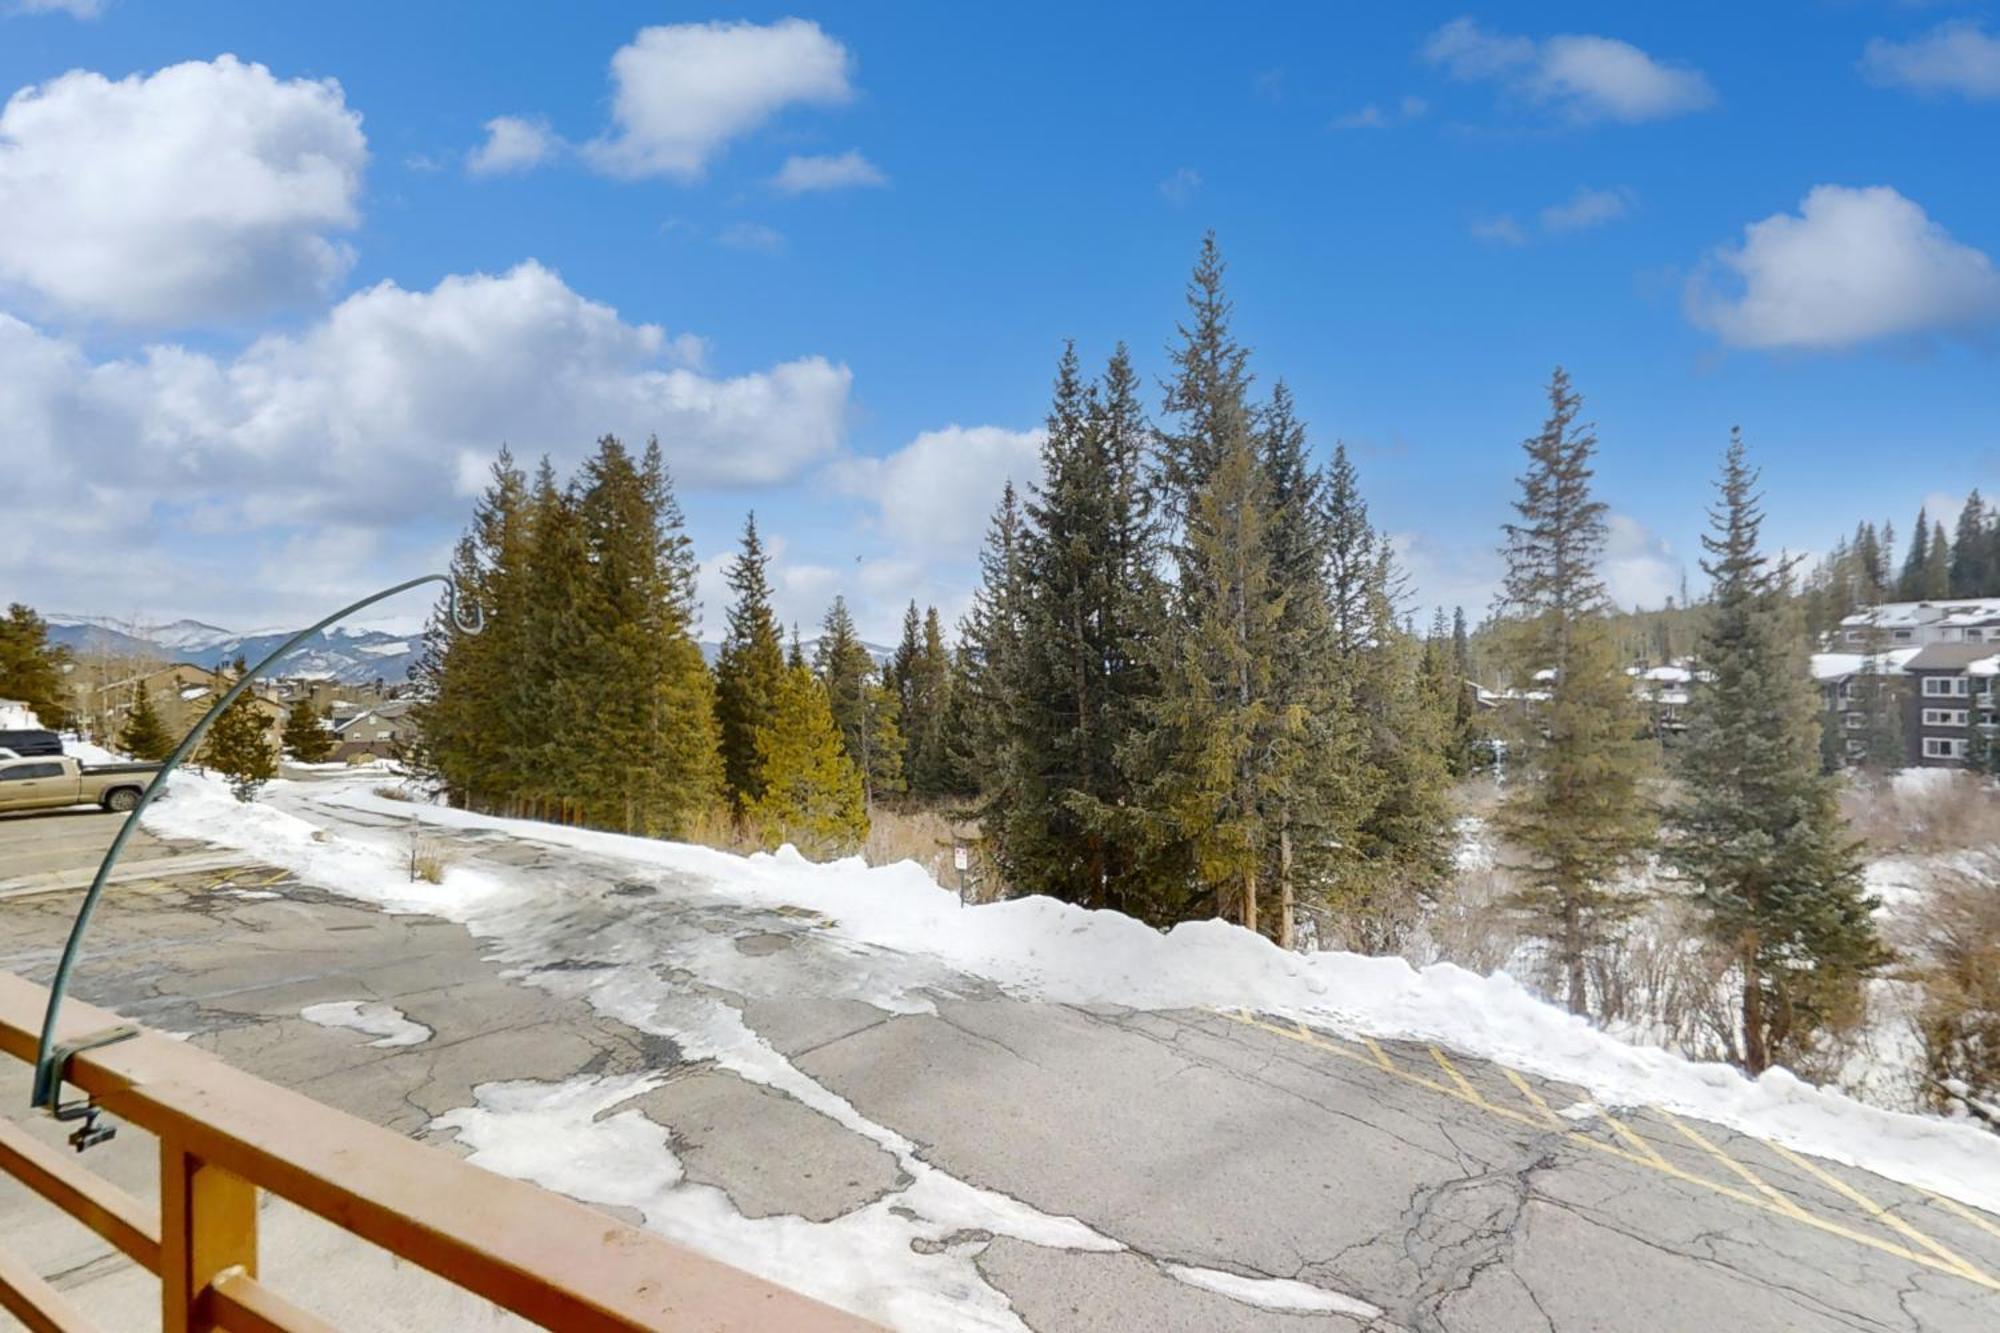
pixel 1878 1212
pixel 1465 1089
pixel 1523 1087
pixel 1644 1148
pixel 1784 1201
pixel 1953 1265
pixel 1954 1206
pixel 1381 1056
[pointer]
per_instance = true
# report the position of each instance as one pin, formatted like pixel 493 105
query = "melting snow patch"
pixel 1272 1293
pixel 385 1022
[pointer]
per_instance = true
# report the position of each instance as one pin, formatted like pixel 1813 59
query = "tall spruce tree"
pixel 844 667
pixel 926 686
pixel 749 668
pixel 1577 812
pixel 1970 555
pixel 1758 827
pixel 882 742
pixel 1937 565
pixel 989 635
pixel 145 736
pixel 1910 584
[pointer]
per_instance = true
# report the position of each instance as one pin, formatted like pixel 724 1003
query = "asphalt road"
pixel 1442 1191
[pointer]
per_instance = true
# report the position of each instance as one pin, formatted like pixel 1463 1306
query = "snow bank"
pixel 1043 949
pixel 18 717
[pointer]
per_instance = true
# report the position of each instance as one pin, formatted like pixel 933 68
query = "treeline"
pixel 1185 688
pixel 1864 569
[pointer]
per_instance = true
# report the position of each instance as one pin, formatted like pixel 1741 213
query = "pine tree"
pixel 1758 828
pixel 1970 553
pixel 1209 394
pixel 991 630
pixel 811 794
pixel 882 742
pixel 927 688
pixel 1937 566
pixel 31 668
pixel 1910 585
pixel 1577 811
pixel 237 746
pixel 749 668
pixel 305 737
pixel 145 736
pixel 844 667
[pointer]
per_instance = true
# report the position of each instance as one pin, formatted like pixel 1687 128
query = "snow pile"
pixel 18 717
pixel 385 1022
pixel 1039 948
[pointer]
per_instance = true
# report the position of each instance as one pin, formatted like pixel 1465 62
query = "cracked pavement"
pixel 1192 1139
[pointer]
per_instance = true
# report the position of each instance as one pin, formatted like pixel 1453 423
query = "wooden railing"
pixel 224 1135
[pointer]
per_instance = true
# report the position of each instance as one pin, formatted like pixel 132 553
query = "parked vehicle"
pixel 42 783
pixel 26 743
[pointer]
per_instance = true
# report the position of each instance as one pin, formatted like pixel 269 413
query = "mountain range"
pixel 352 656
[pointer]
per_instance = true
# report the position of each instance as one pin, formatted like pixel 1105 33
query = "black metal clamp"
pixel 89 1134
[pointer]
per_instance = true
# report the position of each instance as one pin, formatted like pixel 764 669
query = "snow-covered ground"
pixel 905 931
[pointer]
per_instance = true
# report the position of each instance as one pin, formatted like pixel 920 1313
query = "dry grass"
pixel 1950 938
pixel 427 864
pixel 1952 811
pixel 393 791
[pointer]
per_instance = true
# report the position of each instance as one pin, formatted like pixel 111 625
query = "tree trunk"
pixel 1250 899
pixel 1579 988
pixel 1755 1055
pixel 1285 902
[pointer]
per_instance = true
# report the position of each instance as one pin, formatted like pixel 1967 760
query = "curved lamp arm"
pixel 49 1062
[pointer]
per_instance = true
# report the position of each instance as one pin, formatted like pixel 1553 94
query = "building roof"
pixel 1948 656
pixel 1948 610
pixel 1839 666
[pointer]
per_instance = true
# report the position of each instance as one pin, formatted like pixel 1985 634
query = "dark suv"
pixel 27 744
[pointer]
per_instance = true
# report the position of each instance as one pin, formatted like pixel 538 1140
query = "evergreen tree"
pixel 1910 585
pixel 1208 394
pixel 1970 551
pixel 882 742
pixel 1758 828
pixel 811 794
pixel 464 738
pixel 305 737
pixel 749 668
pixel 1880 695
pixel 31 668
pixel 991 630
pixel 1577 811
pixel 1351 563
pixel 1232 747
pixel 844 667
pixel 927 689
pixel 237 746
pixel 1937 566
pixel 145 736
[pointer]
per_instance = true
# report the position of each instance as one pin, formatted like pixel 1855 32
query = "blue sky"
pixel 259 326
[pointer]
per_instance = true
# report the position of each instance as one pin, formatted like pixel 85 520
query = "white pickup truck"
pixel 54 782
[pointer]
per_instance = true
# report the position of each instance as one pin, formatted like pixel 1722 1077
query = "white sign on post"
pixel 958 858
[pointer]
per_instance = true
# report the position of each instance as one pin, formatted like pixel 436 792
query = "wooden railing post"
pixel 208 1225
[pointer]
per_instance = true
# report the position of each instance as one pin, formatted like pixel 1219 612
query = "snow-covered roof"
pixel 1665 675
pixel 1949 611
pixel 1839 666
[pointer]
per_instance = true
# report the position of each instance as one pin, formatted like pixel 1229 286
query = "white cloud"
pixel 1501 229
pixel 1180 187
pixel 1586 78
pixel 682 92
pixel 1640 568
pixel 1958 57
pixel 76 9
pixel 830 172
pixel 1853 265
pixel 1587 208
pixel 378 416
pixel 513 143
pixel 751 236
pixel 1373 116
pixel 204 191
pixel 935 494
